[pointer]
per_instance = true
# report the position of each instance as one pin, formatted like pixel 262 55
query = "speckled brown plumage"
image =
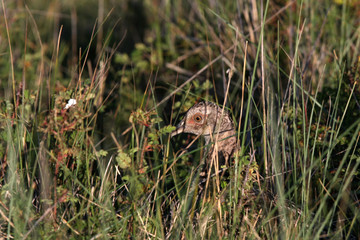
pixel 210 121
pixel 215 125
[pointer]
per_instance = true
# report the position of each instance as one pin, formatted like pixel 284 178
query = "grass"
pixel 107 168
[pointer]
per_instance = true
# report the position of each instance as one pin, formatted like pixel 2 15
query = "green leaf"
pixel 123 160
pixel 102 153
pixel 122 58
pixel 166 129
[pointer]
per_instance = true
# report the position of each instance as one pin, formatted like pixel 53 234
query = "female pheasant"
pixel 209 120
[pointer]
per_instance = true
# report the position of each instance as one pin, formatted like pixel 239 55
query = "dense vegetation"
pixel 105 167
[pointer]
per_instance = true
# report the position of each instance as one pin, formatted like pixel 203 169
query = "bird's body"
pixel 214 124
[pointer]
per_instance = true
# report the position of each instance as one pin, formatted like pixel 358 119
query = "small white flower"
pixel 70 103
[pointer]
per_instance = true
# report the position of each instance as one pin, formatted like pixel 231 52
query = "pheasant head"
pixel 207 119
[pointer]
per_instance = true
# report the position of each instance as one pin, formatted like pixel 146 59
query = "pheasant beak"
pixel 179 128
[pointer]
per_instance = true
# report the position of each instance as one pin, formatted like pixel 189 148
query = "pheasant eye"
pixel 197 118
